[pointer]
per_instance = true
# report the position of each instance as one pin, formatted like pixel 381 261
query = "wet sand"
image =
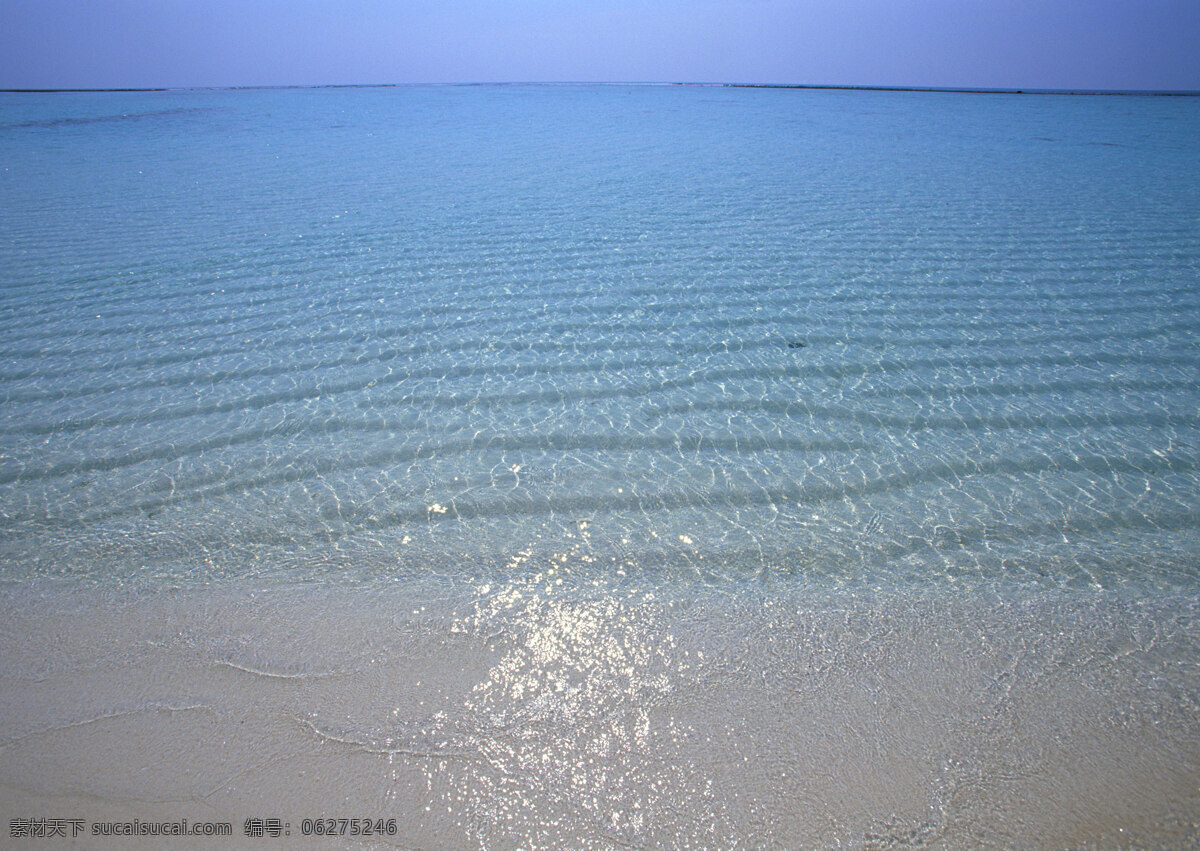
pixel 528 716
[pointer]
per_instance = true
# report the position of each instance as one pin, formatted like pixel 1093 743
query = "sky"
pixel 1047 44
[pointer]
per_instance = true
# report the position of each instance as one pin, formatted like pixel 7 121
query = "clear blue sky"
pixel 1093 44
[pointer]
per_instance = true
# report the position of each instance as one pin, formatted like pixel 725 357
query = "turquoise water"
pixel 703 334
pixel 604 467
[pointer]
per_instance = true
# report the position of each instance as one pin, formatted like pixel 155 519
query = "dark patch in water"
pixel 100 119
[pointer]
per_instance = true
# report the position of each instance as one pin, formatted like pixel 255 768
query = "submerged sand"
pixel 523 715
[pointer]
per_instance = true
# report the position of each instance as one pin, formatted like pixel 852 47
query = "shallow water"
pixel 517 718
pixel 916 337
pixel 438 431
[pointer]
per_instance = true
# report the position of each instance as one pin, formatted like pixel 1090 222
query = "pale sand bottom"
pixel 520 716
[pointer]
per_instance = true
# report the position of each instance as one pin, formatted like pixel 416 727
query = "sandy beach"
pixel 512 717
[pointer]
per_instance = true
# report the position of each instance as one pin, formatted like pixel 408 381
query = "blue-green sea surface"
pixel 726 335
pixel 609 466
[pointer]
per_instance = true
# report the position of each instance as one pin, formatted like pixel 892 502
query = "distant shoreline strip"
pixel 967 91
pixel 796 86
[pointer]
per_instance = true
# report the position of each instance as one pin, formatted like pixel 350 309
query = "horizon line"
pixel 799 86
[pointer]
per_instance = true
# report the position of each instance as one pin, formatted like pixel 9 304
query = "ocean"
pixel 605 465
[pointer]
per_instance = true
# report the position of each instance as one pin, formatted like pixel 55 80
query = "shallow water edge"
pixel 516 715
